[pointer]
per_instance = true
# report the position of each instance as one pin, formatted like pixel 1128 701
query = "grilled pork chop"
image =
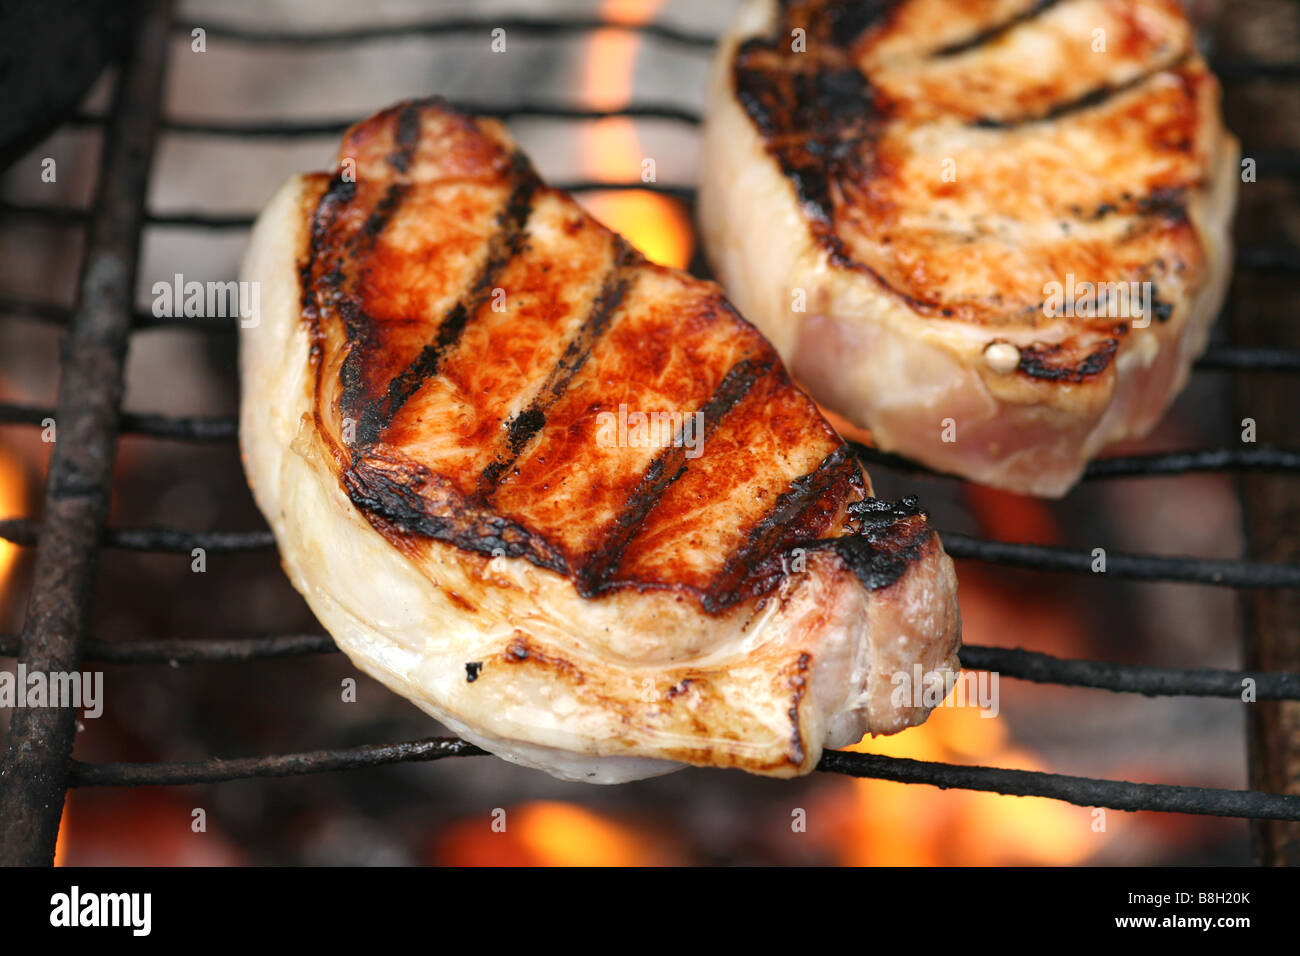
pixel 995 232
pixel 439 421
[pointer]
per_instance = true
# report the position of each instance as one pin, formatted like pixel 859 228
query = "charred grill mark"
pixel 359 326
pixel 503 247
pixel 1051 362
pixel 892 536
pixel 413 501
pixel 813 121
pixel 816 519
pixel 406 137
pixel 799 684
pixel 323 277
pixel 381 216
pixel 521 428
pixel 848 21
pixel 838 22
pixel 804 492
pixel 666 468
pixel 820 120
pixel 1169 202
pixel 339 192
pixel 997 30
pixel 532 419
pixel 814 109
pixel 1085 101
pixel 1161 309
pixel 815 112
pixel 411 504
pixel 336 193
pixel 1164 202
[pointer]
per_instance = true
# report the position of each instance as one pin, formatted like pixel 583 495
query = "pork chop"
pixel 566 501
pixel 994 232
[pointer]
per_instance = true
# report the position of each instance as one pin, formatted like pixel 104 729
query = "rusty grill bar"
pixel 37 765
pixel 33 773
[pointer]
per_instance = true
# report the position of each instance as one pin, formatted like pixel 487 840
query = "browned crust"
pixel 1068 361
pixel 371 356
pixel 839 139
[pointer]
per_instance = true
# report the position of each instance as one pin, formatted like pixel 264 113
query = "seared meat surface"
pixel 565 500
pixel 995 232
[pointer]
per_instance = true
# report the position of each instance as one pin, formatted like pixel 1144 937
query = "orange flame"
pixel 548 833
pixel 880 823
pixel 61 841
pixel 565 835
pixel 657 225
pixel 139 828
pixel 13 502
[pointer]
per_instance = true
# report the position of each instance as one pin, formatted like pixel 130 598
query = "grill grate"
pixel 37 766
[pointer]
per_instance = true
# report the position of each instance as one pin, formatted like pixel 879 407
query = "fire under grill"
pixel 37 766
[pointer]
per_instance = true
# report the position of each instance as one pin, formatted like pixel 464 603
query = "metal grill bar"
pixel 1269 258
pixel 203 428
pixel 1221 572
pixel 1254 70
pixel 194 219
pixel 292 129
pixel 185 428
pixel 1268 162
pixel 34 769
pixel 52 213
pixel 1008 662
pixel 1081 791
pixel 560 26
pixel 1217 358
pixel 1264 258
pixel 1128 678
pixel 280 765
pixel 171 651
pixel 462 26
pixel 25 531
pixel 1139 567
pixel 1156 464
pixel 55 314
pixel 1241 358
